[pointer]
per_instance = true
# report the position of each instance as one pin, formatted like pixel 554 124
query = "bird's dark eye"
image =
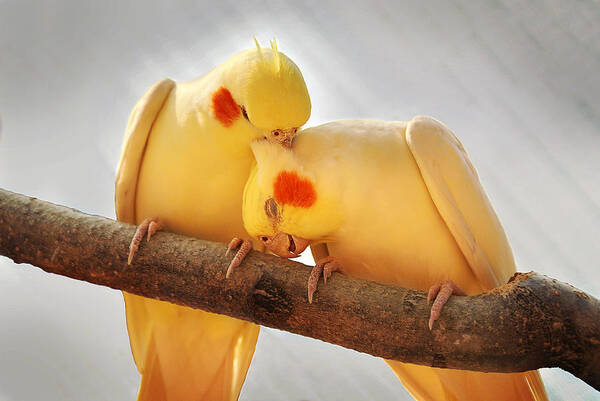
pixel 264 239
pixel 276 133
pixel 244 113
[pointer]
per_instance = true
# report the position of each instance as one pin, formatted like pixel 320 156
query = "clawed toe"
pixel 439 294
pixel 150 226
pixel 155 225
pixel 245 247
pixel 324 266
pixel 233 244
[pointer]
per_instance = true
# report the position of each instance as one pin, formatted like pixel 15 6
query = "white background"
pixel 518 84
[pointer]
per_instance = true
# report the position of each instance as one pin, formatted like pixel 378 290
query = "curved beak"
pixel 284 137
pixel 286 245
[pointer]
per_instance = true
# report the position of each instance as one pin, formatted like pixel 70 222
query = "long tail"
pixel 187 354
pixel 432 384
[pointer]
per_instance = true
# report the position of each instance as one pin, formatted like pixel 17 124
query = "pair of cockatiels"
pixel 393 202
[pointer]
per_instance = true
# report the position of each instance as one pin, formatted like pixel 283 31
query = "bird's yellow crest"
pixel 271 89
pixel 276 64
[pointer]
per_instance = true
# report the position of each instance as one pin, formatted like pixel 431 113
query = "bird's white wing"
pixel 138 128
pixel 461 201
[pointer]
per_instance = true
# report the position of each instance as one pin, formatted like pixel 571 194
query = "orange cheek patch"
pixel 291 189
pixel 226 109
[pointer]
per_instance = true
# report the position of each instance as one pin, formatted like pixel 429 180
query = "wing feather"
pixel 138 129
pixel 461 201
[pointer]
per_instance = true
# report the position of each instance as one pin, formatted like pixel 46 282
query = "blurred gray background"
pixel 519 84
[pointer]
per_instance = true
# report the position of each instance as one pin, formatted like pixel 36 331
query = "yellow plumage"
pixel 397 203
pixel 185 160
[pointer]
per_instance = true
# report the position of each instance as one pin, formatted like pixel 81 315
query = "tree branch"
pixel 531 322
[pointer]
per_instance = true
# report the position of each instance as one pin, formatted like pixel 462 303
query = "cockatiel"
pixel 184 164
pixel 393 202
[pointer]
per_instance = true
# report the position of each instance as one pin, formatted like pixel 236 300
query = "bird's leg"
pixel 324 266
pixel 245 247
pixel 439 294
pixel 150 226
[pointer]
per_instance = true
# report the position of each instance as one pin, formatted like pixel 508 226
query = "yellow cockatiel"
pixel 185 160
pixel 393 202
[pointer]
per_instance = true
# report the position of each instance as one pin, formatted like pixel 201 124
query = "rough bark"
pixel 531 322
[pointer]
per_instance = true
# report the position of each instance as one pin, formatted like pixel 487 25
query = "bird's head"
pixel 283 206
pixel 264 91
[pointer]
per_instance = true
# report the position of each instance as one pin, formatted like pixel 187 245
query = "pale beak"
pixel 287 142
pixel 286 245
pixel 284 137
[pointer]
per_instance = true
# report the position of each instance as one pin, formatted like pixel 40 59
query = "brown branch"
pixel 531 322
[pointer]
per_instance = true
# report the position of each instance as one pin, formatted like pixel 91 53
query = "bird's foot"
pixel 150 226
pixel 245 247
pixel 324 266
pixel 439 294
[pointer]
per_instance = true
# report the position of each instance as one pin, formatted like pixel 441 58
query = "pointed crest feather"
pixel 258 49
pixel 276 55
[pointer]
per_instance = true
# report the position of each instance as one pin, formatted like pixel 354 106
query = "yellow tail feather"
pixel 152 386
pixel 188 354
pixel 433 384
